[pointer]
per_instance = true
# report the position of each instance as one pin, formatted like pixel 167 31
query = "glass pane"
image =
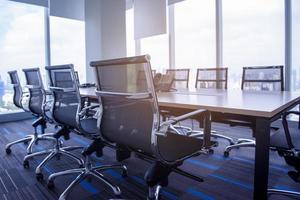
pixel 130 42
pixel 296 44
pixel 194 35
pixel 130 78
pixel 21 45
pixel 158 48
pixel 253 35
pixel 68 44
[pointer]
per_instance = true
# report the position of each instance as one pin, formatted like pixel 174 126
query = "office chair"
pixel 213 78
pixel 181 77
pixel 77 77
pixel 69 112
pixel 181 80
pixel 58 149
pixel 35 102
pixel 130 118
pixel 287 143
pixel 266 78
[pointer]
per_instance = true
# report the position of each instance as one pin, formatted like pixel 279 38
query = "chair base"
pixel 56 151
pixel 214 135
pixel 32 139
pixel 240 143
pixel 283 192
pixel 83 173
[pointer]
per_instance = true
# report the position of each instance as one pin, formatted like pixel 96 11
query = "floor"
pixel 224 178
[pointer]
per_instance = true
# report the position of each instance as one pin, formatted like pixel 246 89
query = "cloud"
pixel 22 42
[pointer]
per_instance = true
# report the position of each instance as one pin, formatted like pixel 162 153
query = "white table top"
pixel 250 103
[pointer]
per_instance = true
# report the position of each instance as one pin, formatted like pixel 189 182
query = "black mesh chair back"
pixel 66 96
pixel 35 87
pixel 212 78
pixel 15 81
pixel 131 100
pixel 181 77
pixel 77 77
pixel 265 78
pixel 130 113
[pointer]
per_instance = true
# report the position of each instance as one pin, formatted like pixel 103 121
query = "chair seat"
pixel 89 125
pixel 278 140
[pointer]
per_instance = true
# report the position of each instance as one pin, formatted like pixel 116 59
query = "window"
pixel 295 44
pixel 67 39
pixel 21 45
pixel 130 42
pixel 158 48
pixel 194 22
pixel 253 35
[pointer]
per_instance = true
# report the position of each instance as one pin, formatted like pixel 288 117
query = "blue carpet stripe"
pixel 81 141
pixel 6 130
pixel 225 179
pixel 84 184
pixel 169 195
pixel 232 181
pixel 164 193
pixel 203 164
pixel 199 195
pixel 89 187
pixel 284 187
pixel 250 161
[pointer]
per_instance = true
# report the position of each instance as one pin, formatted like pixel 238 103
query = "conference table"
pixel 262 106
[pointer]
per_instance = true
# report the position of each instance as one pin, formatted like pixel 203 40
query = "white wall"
pixel 105 31
pixel 113 25
pixel 92 35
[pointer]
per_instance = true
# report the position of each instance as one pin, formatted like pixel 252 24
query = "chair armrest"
pixel 286 127
pixel 165 125
pixel 48 92
pixel 85 109
pixel 59 89
pixel 32 86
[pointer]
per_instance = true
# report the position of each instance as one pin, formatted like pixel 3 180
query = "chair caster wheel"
pixel 26 164
pixel 50 185
pixel 124 174
pixel 8 151
pixel 211 151
pixel 39 176
pixel 226 154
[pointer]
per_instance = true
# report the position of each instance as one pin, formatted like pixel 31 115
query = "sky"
pixel 22 39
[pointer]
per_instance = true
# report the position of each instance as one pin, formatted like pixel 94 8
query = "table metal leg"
pixel 261 170
pixel 207 130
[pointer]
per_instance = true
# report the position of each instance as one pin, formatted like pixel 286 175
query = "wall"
pixel 105 31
